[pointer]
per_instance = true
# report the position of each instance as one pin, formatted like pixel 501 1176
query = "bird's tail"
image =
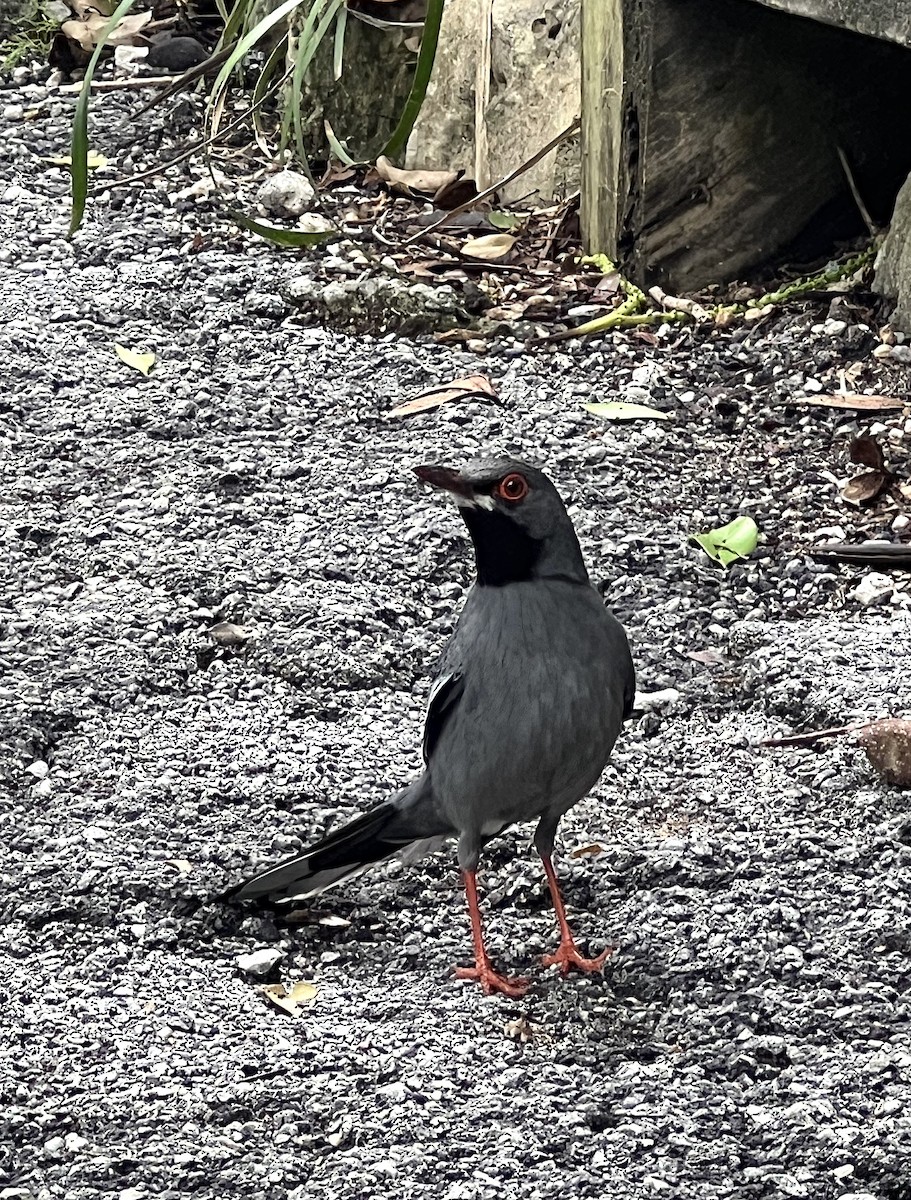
pixel 380 833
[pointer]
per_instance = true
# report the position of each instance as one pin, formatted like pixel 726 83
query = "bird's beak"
pixel 448 481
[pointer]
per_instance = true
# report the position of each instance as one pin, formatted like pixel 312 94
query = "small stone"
pixel 900 354
pixel 38 768
pixel 259 962
pixel 834 328
pixel 874 588
pixel 94 833
pixel 286 194
pixel 132 1193
pixel 650 701
pixel 73 1143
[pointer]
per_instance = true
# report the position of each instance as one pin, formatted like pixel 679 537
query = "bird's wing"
pixel 444 696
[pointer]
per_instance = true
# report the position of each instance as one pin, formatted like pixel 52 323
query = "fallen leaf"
pixel 87 32
pixel 140 362
pixel 183 865
pixel 888 747
pixel 618 410
pixel 867 452
pixel 729 542
pixel 409 182
pixel 865 487
pixel 856 401
pixel 290 1000
pixel 502 220
pixel 446 393
pixel 711 658
pixel 93 161
pixel 333 921
pixel 489 247
pixel 456 192
pixel 587 851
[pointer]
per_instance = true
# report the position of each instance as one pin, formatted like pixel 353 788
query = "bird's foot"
pixel 491 981
pixel 568 956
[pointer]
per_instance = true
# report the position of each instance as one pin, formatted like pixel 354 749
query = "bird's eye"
pixel 512 488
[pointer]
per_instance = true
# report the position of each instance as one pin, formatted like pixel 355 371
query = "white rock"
pixel 38 768
pixel 650 701
pixel 259 962
pixel 874 588
pixel 286 194
pixel 94 833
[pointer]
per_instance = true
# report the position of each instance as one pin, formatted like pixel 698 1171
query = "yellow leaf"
pixel 92 160
pixel 140 362
pixel 489 247
pixel 290 1000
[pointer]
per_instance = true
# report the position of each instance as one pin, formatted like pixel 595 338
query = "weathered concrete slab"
pixel 893 266
pixel 887 19
pixel 506 81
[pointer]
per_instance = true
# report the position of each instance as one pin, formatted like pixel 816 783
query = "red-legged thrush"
pixel 533 688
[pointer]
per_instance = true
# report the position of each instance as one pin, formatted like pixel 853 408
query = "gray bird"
pixel 533 688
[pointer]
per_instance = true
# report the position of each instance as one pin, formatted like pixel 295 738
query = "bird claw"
pixel 568 956
pixel 492 982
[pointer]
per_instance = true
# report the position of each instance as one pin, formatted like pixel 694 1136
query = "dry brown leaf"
pixel 587 851
pixel 489 247
pixel 853 400
pixel 711 658
pixel 290 1000
pixel 409 182
pixel 865 487
pixel 520 1030
pixel 446 393
pixel 87 32
pixel 888 747
pixel 458 191
pixel 867 452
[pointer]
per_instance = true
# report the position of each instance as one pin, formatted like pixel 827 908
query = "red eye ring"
pixel 512 488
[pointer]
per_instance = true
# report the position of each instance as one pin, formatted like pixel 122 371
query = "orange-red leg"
pixel 483 969
pixel 567 955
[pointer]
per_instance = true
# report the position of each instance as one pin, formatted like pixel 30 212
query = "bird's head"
pixel 517 522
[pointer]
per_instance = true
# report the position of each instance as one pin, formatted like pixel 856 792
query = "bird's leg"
pixel 483 969
pixel 567 954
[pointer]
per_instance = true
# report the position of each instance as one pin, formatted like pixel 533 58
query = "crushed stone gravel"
pixel 750 1034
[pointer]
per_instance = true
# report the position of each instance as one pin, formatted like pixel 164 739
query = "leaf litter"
pixel 291 999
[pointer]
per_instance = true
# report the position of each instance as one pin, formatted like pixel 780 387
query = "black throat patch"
pixel 504 552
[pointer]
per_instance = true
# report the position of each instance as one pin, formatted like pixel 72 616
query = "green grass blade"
pixel 422 73
pixel 246 43
pixel 338 49
pixel 311 36
pixel 279 237
pixel 79 146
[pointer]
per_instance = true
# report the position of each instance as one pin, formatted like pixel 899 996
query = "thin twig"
pixel 116 85
pixel 807 739
pixel 679 304
pixel 501 183
pixel 858 199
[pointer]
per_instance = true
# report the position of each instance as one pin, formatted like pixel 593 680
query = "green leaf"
pixel 735 540
pixel 617 410
pixel 140 362
pixel 422 72
pixel 501 220
pixel 338 150
pixel 79 144
pixel 338 49
pixel 279 237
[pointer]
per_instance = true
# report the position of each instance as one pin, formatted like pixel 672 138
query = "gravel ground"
pixel 749 1037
